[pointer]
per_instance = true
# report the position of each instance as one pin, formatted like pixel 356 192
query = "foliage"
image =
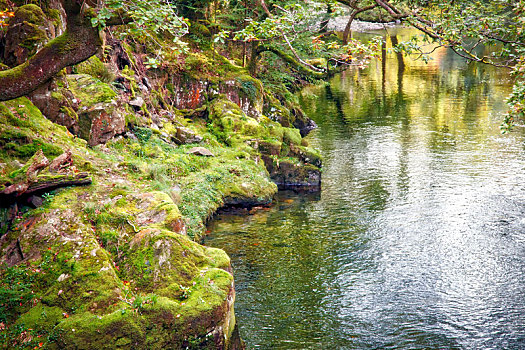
pixel 516 102
pixel 469 27
pixel 489 32
pixel 4 17
pixel 290 18
pixel 19 286
pixel 136 302
pixel 148 19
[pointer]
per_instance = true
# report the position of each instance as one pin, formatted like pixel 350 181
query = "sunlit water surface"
pixel 417 239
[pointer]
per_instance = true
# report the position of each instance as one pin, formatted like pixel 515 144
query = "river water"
pixel 417 239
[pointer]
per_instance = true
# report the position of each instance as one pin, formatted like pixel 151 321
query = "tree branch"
pixel 79 42
pixel 285 38
pixel 290 60
pixel 352 17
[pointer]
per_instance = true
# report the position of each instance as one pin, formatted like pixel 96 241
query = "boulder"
pixel 98 119
pixel 201 151
pixel 137 103
pixel 185 136
pixel 102 121
pixel 57 104
pixel 293 174
pixel 26 34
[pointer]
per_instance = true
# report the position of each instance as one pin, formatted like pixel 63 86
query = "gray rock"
pixel 137 102
pixel 100 123
pixel 185 136
pixel 130 135
pixel 35 201
pixel 201 151
pixel 175 194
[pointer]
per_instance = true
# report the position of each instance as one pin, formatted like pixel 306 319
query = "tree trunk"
pixel 324 24
pixel 79 42
pixel 355 12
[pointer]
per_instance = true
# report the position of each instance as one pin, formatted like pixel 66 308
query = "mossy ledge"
pixel 110 265
pixel 117 264
pixel 122 265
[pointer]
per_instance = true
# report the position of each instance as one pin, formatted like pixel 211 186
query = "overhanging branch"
pixel 285 38
pixel 79 42
pixel 290 60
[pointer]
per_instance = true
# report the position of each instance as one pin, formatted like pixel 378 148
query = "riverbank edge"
pixel 114 261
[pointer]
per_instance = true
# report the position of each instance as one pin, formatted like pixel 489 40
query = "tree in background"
pixel 288 30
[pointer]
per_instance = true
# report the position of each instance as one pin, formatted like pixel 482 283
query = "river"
pixel 417 239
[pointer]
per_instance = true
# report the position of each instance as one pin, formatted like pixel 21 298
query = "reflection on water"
pixel 417 239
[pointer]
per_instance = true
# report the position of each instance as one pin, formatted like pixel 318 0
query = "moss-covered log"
pixel 40 175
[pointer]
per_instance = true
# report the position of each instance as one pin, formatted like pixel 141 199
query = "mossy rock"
pixel 270 147
pixel 88 300
pixel 98 119
pixel 24 131
pixel 230 124
pixel 307 155
pixel 90 90
pixel 26 34
pixel 88 297
pixel 291 173
pixel 29 13
pixel 292 136
pixel 96 69
pixel 274 110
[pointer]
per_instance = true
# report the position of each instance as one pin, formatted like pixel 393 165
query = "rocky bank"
pixel 108 174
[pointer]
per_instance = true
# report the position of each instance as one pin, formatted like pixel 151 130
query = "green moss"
pixel 308 155
pixel 129 51
pixel 24 130
pixel 270 147
pixel 197 63
pixel 54 14
pixel 70 112
pixel 15 138
pixel 26 150
pixel 251 87
pixel 129 74
pixel 34 34
pixel 231 126
pixel 111 331
pixel 30 13
pixel 42 317
pixel 89 90
pixel 96 69
pixel 276 111
pixel 199 29
pixel 318 62
pixel 291 136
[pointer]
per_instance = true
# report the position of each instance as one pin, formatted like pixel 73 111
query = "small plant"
pixel 185 292
pixel 15 289
pixel 18 286
pixel 136 302
pixel 47 197
pixel 143 134
pixel 20 337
